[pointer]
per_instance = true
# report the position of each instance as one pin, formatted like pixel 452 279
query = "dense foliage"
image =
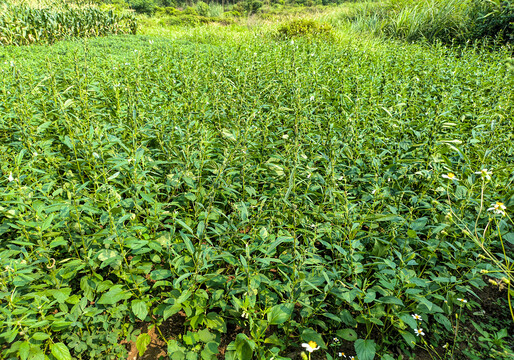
pixel 446 20
pixel 23 25
pixel 292 189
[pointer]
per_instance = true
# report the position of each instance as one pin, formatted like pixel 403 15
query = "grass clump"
pixel 306 28
pixel 442 20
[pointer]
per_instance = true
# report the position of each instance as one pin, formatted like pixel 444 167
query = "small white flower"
pixel 341 354
pixel 285 136
pixel 486 174
pixel 445 346
pixel 292 42
pixel 150 41
pixel 450 176
pixel 244 315
pixel 310 346
pixel 35 154
pixel 417 317
pixel 498 208
pixel 96 155
pixel 374 191
pixel 10 178
pixel 462 300
pixel 312 98
pixel 12 63
pixel 419 332
pixel 335 340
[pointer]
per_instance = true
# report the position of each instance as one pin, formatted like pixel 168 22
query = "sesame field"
pixel 236 192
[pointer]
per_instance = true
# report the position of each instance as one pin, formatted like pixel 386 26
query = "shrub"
pixel 202 8
pixel 167 11
pixel 490 19
pixel 190 11
pixel 232 13
pixel 251 6
pixel 143 6
pixel 305 28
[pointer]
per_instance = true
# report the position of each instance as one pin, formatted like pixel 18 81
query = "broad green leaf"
pixel 24 350
pixel 160 274
pixel 115 294
pixel 409 338
pixel 390 300
pixel 419 224
pixel 142 342
pixel 279 314
pixel 60 351
pixel 311 335
pixel 39 336
pixel 365 349
pixel 347 334
pixel 244 349
pixel 205 335
pixel 139 309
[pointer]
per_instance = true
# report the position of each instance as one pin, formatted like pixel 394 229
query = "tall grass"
pixel 445 20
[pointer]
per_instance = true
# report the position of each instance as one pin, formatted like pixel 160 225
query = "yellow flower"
pixel 450 176
pixel 419 332
pixel 310 346
pixel 498 208
pixel 417 317
pixel 486 174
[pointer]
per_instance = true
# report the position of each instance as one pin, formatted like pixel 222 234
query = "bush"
pixel 444 20
pixel 167 11
pixel 190 11
pixel 143 6
pixel 232 13
pixel 305 28
pixel 491 19
pixel 202 8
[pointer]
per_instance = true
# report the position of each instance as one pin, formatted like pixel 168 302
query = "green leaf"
pixel 115 294
pixel 107 254
pixel 205 335
pixel 39 336
pixel 244 350
pixel 210 350
pixel 60 351
pixel 347 334
pixel 160 274
pixel 139 309
pixel 24 350
pixel 189 245
pixel 419 224
pixel 409 338
pixel 390 300
pixel 365 349
pixel 142 342
pixel 279 314
pixel 311 335
pixel 409 320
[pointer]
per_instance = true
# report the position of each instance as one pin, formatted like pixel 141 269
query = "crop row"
pixel 22 25
pixel 291 189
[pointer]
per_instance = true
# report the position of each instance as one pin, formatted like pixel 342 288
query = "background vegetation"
pixel 239 191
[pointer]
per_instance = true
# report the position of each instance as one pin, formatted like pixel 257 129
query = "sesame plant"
pixel 265 196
